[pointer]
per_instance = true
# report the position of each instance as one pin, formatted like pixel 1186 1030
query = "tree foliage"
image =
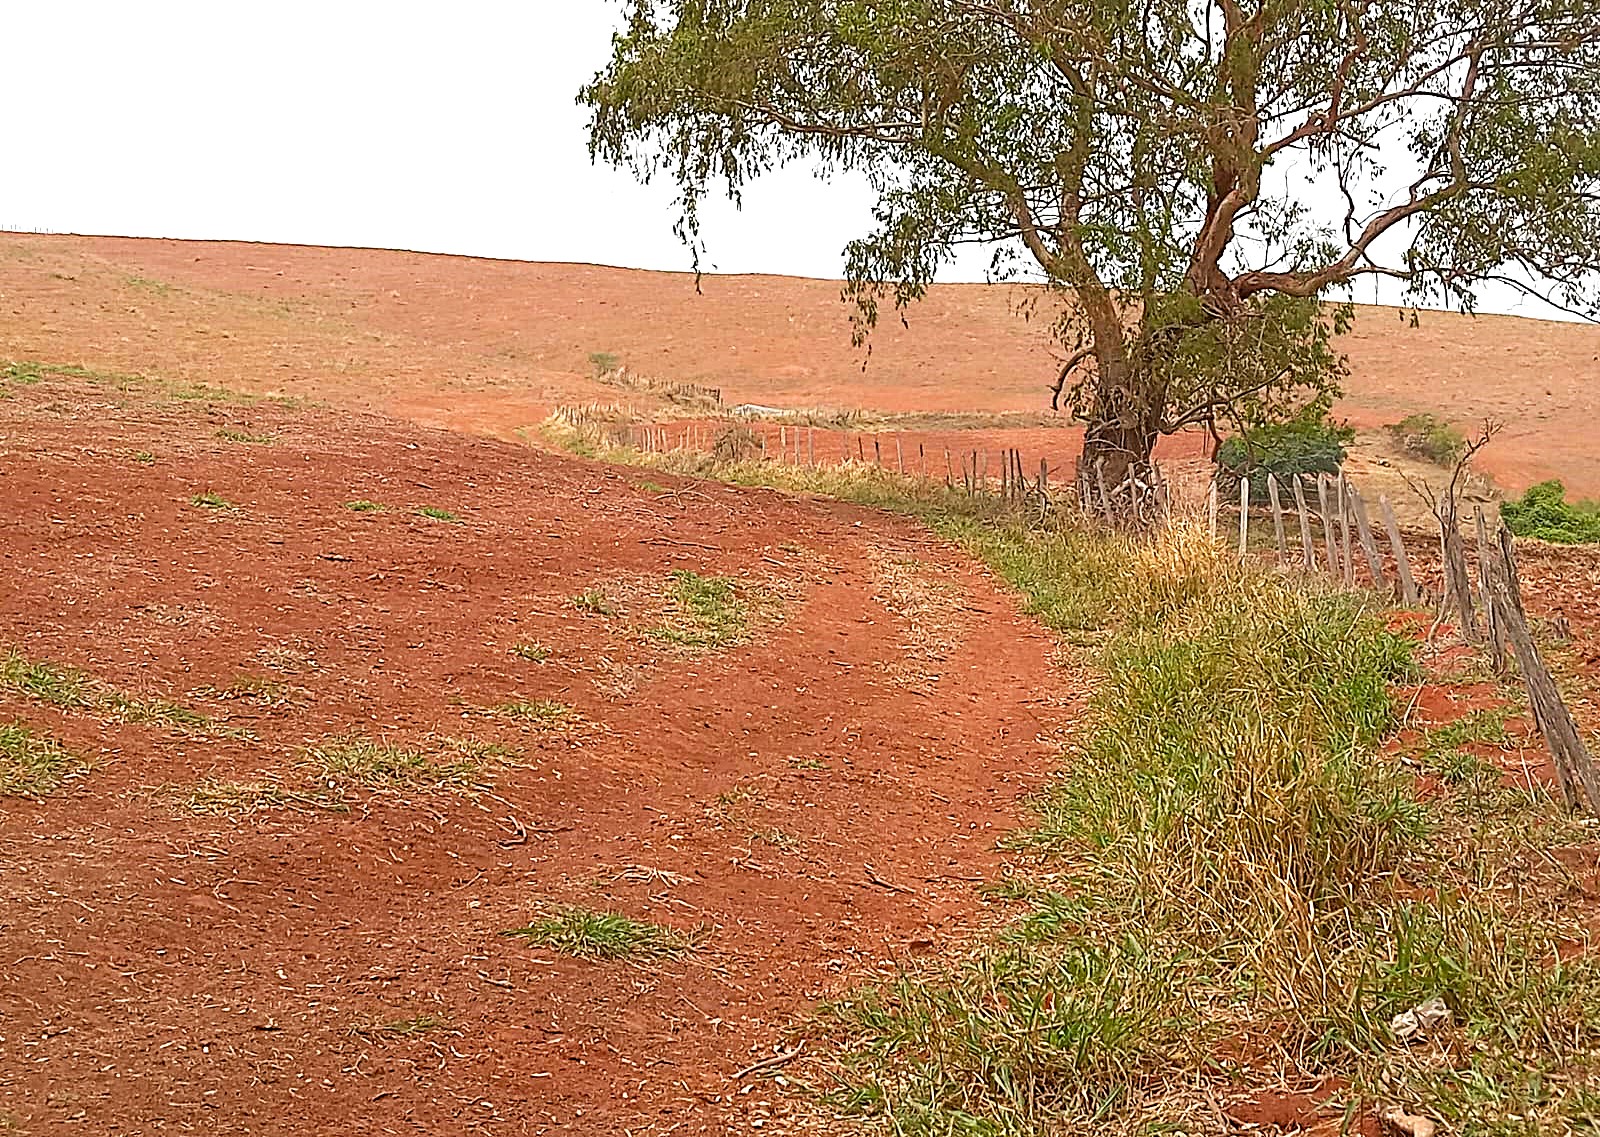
pixel 1191 175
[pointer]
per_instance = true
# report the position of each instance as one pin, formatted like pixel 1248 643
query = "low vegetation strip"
pixel 1230 884
pixel 1228 881
pixel 590 934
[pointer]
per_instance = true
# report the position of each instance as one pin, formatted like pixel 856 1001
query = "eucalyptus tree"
pixel 1194 178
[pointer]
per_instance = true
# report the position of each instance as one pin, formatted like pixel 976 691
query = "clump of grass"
pixel 588 934
pixel 436 514
pixel 531 650
pixel 219 797
pixel 595 601
pixel 144 457
pixel 1443 749
pixel 71 689
pixel 24 373
pixel 64 687
pixel 703 612
pixel 355 762
pixel 244 436
pixel 1544 512
pixel 362 506
pixel 604 363
pixel 33 765
pixel 212 501
pixel 1429 437
pixel 538 712
pixel 405 1027
pixel 146 284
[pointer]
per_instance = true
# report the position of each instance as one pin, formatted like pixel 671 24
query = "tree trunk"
pixel 1124 424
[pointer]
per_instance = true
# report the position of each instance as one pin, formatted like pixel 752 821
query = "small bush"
pixel 1544 512
pixel 1430 437
pixel 1288 450
pixel 604 363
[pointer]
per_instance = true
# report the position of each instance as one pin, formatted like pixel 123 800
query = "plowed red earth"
pixel 163 971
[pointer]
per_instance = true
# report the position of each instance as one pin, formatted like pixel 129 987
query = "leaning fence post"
pixel 1345 550
pixel 1402 563
pixel 1368 545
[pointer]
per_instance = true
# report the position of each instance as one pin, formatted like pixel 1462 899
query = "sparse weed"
pixel 362 506
pixel 355 762
pixel 146 284
pixel 398 1028
pixel 212 501
pixel 595 601
pixel 244 436
pixel 144 457
pixel 221 798
pixel 539 712
pixel 64 687
pixel 531 650
pixel 588 934
pixel 703 612
pixel 437 514
pixel 70 689
pixel 33 765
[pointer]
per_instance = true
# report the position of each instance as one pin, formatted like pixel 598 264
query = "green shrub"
pixel 1544 512
pixel 1430 437
pixel 1303 446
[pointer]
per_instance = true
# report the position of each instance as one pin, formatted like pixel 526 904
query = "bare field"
pixel 489 346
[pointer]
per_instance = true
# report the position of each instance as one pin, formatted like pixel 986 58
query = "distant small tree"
pixel 1192 176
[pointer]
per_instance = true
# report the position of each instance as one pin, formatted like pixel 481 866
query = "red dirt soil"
pixel 162 971
pixel 490 346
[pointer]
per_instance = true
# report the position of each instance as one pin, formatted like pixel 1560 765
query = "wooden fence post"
pixel 949 479
pixel 1345 550
pixel 899 455
pixel 1329 538
pixel 1100 481
pixel 1368 545
pixel 1402 563
pixel 1308 550
pixel 1458 583
pixel 1491 618
pixel 1211 507
pixel 1277 515
pixel 1574 766
pixel 1244 515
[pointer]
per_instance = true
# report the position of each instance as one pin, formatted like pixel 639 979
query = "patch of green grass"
pixel 212 501
pixel 538 712
pixel 21 373
pixel 71 689
pixel 702 612
pixel 589 934
pixel 64 687
pixel 594 600
pixel 244 436
pixel 531 650
pixel 1543 512
pixel 1429 437
pixel 362 506
pixel 219 797
pixel 355 762
pixel 32 765
pixel 437 514
pixel 144 457
pixel 1443 749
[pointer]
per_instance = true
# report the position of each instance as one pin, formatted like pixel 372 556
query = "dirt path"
pixel 167 971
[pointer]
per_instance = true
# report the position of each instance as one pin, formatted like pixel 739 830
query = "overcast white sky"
pixel 440 127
